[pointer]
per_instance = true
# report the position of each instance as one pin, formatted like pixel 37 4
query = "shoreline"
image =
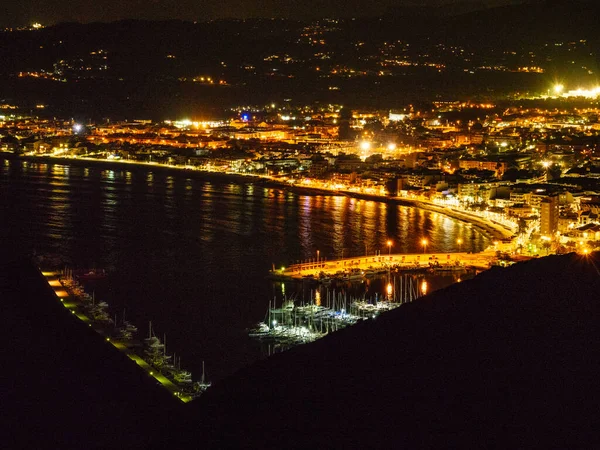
pixel 123 164
pixel 495 230
pixel 488 228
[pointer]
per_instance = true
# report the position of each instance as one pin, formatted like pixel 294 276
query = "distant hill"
pixel 537 22
pixel 135 47
pixel 409 54
pixel 508 359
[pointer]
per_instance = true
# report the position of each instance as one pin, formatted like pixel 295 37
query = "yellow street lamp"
pixel 558 88
pixel 389 244
pixel 424 244
pixel 459 241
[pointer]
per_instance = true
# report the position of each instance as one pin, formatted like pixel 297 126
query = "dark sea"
pixel 191 252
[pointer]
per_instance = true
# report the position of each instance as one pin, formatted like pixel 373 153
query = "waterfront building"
pixel 498 167
pixel 549 215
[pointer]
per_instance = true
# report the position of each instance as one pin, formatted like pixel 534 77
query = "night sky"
pixel 48 12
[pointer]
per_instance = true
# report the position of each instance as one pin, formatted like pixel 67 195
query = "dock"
pixel 126 346
pixel 65 385
pixel 362 265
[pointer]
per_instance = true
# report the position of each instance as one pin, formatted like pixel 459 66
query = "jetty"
pixel 149 354
pixel 360 266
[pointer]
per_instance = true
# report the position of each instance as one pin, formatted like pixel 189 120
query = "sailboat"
pixel 203 385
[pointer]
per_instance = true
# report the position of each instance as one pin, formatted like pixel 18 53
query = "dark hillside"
pixel 526 24
pixel 509 359
pixel 63 386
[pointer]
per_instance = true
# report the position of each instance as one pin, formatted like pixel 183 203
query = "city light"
pixel 365 145
pixel 391 146
pixel 558 89
pixel 591 93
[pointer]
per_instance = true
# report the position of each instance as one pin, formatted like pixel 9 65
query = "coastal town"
pixel 535 172
pixel 365 225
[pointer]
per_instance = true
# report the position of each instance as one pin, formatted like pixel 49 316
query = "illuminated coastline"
pixel 495 230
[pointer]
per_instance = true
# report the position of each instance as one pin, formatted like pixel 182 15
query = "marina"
pixel 295 323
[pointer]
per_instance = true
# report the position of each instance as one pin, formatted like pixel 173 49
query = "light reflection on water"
pixel 397 287
pixel 192 254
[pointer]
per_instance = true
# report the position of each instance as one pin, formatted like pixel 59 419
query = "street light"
pixel 317 257
pixel 558 88
pixel 424 287
pixel 389 244
pixel 459 241
pixel 424 244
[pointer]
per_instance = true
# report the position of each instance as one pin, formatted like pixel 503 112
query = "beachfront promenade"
pixel 406 261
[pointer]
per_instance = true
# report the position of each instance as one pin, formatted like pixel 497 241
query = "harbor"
pixel 295 322
pixel 209 286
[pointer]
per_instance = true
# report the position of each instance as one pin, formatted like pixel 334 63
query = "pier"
pixel 382 263
pixel 70 295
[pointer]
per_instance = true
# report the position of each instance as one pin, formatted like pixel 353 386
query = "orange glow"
pixel 54 283
pixel 389 289
pixel 61 293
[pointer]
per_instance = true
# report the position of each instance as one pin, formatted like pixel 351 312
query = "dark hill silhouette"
pixel 508 359
pixel 146 68
pixel 137 48
pixel 63 386
pixel 542 22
